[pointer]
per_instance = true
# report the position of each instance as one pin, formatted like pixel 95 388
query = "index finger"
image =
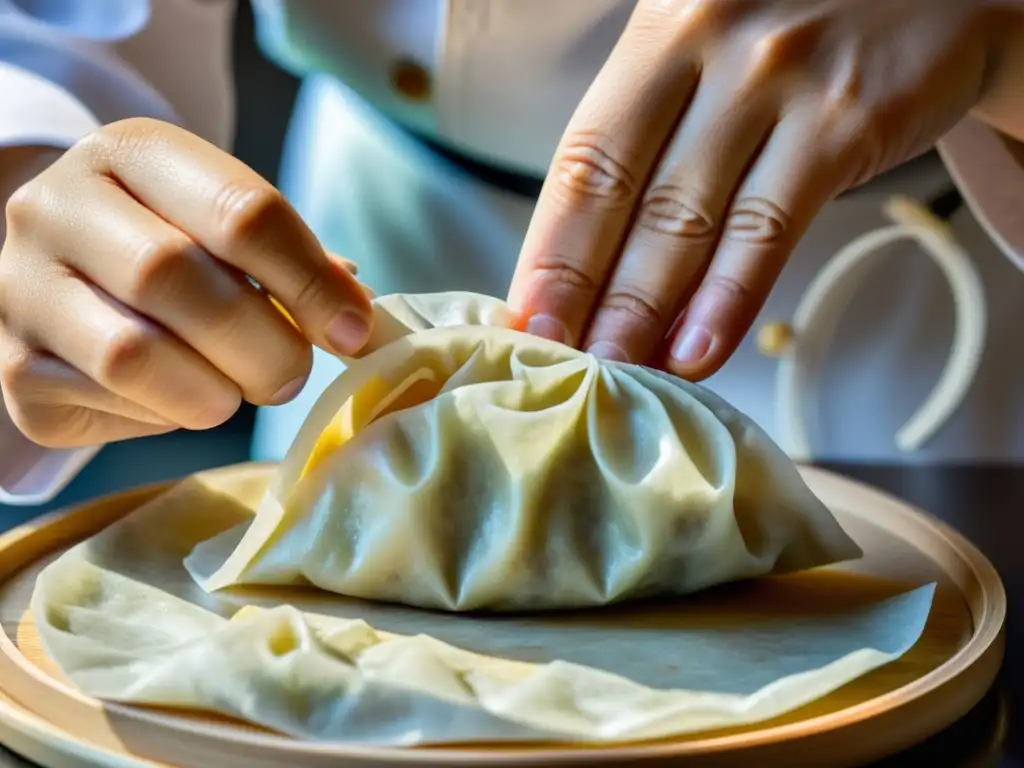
pixel 241 219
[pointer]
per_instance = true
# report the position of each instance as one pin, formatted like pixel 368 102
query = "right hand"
pixel 125 309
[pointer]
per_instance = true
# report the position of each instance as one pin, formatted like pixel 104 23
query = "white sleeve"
pixel 64 73
pixel 30 474
pixel 35 111
pixel 990 174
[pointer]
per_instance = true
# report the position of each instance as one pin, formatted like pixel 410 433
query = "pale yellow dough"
pixel 461 465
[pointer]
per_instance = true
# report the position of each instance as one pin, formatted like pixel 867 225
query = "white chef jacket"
pixel 504 78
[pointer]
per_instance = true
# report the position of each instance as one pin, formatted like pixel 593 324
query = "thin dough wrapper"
pixel 475 467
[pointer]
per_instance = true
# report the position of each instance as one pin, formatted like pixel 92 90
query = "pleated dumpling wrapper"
pixel 461 465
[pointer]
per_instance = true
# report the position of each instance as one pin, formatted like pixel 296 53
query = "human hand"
pixel 124 300
pixel 709 141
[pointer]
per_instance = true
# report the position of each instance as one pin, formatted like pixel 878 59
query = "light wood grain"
pixel 938 681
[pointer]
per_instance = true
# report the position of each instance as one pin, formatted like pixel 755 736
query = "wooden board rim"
pixel 34 727
pixel 985 645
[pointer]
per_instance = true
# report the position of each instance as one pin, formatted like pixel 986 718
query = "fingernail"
pixel 691 347
pixel 288 392
pixel 607 350
pixel 547 327
pixel 347 332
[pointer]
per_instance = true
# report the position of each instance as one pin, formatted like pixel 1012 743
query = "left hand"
pixel 711 138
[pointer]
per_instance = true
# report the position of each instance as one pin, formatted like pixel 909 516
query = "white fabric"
pixel 136 68
pixel 357 42
pixel 26 96
pixel 506 76
pixel 30 474
pixel 499 59
pixel 980 162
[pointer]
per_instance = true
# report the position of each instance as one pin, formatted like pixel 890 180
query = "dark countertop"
pixel 983 502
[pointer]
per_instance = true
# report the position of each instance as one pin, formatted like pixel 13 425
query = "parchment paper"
pixel 125 622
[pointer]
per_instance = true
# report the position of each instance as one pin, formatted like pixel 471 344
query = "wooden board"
pixel 937 682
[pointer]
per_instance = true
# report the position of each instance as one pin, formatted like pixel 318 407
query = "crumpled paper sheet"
pixel 125 622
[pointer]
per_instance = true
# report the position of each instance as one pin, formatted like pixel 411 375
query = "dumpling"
pixel 461 465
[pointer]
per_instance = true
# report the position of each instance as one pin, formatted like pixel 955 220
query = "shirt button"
pixel 411 80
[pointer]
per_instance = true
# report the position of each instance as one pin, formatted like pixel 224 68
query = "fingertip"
pixel 348 331
pixel 696 352
pixel 216 411
pixel 692 373
pixel 555 318
pixel 691 345
pixel 356 294
pixel 608 350
pixel 289 391
pixel 548 327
